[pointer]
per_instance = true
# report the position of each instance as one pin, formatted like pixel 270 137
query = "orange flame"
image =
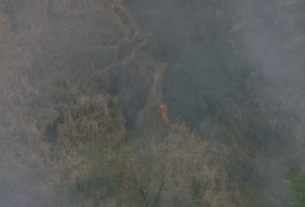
pixel 164 111
pixel 235 28
pixel 163 107
pixel 291 2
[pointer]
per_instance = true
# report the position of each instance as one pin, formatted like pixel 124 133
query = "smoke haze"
pixel 207 61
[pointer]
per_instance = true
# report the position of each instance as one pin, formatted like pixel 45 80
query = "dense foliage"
pixel 152 103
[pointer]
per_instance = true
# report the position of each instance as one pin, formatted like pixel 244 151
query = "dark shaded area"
pixel 232 73
pixel 194 40
pixel 50 131
pixel 125 50
pixel 227 57
pixel 135 93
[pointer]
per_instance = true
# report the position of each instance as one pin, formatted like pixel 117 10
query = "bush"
pixel 298 183
pixel 87 160
pixel 195 171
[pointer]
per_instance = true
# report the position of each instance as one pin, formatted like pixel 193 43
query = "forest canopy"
pixel 160 103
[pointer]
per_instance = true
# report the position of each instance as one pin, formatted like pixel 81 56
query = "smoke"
pixel 191 37
pixel 273 39
pixel 221 56
pixel 47 48
pixel 220 53
pixel 231 54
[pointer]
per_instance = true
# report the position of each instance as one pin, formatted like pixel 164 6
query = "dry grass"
pixel 195 170
pixel 46 63
pixel 50 67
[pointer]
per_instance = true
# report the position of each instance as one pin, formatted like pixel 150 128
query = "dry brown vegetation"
pixel 81 123
pixel 195 171
pixel 50 55
pixel 91 164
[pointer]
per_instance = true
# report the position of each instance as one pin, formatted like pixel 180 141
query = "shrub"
pixel 87 160
pixel 195 171
pixel 298 183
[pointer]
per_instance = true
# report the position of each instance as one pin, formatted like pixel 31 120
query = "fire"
pixel 163 107
pixel 164 111
pixel 290 2
pixel 235 28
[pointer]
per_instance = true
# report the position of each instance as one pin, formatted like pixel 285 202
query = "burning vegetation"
pixel 84 99
pixel 163 107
